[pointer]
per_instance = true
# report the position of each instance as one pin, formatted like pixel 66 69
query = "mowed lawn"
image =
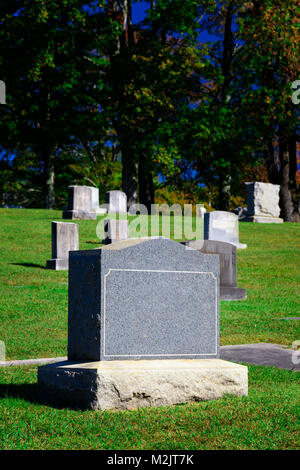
pixel 33 312
pixel 33 300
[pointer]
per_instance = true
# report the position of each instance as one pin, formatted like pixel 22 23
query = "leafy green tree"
pixel 270 30
pixel 50 102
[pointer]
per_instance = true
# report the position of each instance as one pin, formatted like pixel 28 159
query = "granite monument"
pixel 143 329
pixel 64 239
pixel 263 203
pixel 80 205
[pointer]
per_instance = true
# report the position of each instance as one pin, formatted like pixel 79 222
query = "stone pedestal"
pixel 263 203
pixel 80 205
pixel 133 384
pixel 64 239
pixel 143 330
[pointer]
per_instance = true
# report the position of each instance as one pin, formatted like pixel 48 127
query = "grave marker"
pixel 222 226
pixel 64 239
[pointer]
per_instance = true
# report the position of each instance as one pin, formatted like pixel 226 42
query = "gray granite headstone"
pixel 80 205
pixel 222 226
pixel 64 239
pixel 227 253
pixel 117 202
pixel 143 299
pixel 263 203
pixel 115 231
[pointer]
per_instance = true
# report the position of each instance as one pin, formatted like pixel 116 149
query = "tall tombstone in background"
pixel 227 253
pixel 117 202
pixel 143 329
pixel 80 204
pixel 222 226
pixel 64 239
pixel 263 203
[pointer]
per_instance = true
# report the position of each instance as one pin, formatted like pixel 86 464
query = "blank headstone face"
pixel 263 199
pixel 117 201
pixel 95 198
pixel 80 198
pixel 64 239
pixel 222 226
pixel 143 299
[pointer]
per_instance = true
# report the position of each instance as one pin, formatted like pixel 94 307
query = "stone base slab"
pixel 260 219
pixel 232 293
pixel 76 214
pixel 58 264
pixel 133 384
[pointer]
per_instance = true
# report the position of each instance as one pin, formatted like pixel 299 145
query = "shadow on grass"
pixel 30 265
pixel 32 394
pixel 26 392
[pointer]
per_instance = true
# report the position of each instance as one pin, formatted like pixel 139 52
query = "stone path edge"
pixel 267 354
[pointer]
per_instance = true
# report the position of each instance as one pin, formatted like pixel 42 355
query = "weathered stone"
pixel 228 266
pixel 133 384
pixel 143 299
pixel 64 239
pixel 80 204
pixel 117 202
pixel 115 231
pixel 263 203
pixel 222 226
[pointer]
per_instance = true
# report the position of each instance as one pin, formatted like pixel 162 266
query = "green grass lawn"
pixel 267 419
pixel 33 309
pixel 33 300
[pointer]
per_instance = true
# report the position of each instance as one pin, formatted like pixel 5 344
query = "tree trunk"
pixel 271 163
pixel 129 174
pixel 49 176
pixel 224 191
pixel 286 202
pixel 146 187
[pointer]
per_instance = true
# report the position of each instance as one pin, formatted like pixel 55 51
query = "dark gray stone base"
pixel 232 293
pixel 75 214
pixel 58 264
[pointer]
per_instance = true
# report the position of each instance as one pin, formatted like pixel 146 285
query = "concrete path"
pixel 264 354
pixel 32 362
